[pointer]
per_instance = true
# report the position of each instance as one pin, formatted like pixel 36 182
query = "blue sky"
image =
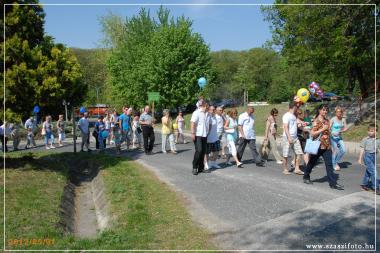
pixel 222 27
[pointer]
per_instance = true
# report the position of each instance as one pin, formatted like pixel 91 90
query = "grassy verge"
pixel 147 214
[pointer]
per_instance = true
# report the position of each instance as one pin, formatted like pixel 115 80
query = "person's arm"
pixel 164 121
pixel 344 125
pixel 286 129
pixel 267 130
pixel 193 125
pixel 193 130
pixel 226 124
pixel 315 132
pixel 331 123
pixel 240 127
pixel 360 160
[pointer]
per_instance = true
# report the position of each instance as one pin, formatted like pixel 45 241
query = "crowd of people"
pixel 217 133
pixel 212 131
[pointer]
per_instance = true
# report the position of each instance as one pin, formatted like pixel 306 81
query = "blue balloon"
pixel 105 134
pixel 202 82
pixel 36 109
pixel 82 110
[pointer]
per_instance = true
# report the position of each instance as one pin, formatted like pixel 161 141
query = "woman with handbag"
pixel 271 136
pixel 321 131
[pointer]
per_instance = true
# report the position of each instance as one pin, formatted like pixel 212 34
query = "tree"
pixel 149 55
pixel 93 63
pixel 37 71
pixel 337 40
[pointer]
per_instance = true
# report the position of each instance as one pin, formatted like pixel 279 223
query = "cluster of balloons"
pixel 315 90
pixel 303 94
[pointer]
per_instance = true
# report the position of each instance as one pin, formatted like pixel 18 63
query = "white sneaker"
pixel 52 147
pixel 279 162
pixel 47 148
pixel 206 166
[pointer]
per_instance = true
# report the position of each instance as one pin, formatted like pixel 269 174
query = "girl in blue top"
pixel 338 126
pixel 230 128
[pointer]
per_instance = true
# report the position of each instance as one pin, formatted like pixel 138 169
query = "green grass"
pixel 146 213
pixel 358 132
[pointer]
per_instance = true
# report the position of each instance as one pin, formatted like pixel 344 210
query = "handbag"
pixel 312 146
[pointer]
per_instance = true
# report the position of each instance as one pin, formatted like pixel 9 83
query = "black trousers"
pixel 200 144
pixel 148 136
pixel 4 143
pixel 327 157
pixel 96 135
pixel 252 146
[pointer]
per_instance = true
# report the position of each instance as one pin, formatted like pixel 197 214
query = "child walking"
pixel 369 148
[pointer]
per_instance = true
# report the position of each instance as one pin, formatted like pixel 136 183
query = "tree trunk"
pixel 364 87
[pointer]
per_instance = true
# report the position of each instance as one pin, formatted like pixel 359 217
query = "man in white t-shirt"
pixel 246 124
pixel 83 125
pixel 290 139
pixel 200 127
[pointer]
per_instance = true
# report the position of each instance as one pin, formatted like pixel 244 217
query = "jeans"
pixel 47 138
pixel 84 140
pixel 200 144
pixel 165 138
pixel 370 175
pixel 148 136
pixel 30 139
pixel 252 146
pixel 327 157
pixel 338 151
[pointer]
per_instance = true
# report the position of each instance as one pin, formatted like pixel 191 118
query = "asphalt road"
pixel 259 208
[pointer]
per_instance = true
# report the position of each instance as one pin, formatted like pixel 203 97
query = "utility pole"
pixel 65 104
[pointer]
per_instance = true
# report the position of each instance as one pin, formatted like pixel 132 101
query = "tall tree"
pixel 161 55
pixel 37 71
pixel 338 40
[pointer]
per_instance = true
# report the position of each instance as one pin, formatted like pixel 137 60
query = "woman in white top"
pixel 180 121
pixel 136 131
pixel 230 127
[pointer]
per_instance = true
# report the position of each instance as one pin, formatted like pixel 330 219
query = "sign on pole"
pixel 153 96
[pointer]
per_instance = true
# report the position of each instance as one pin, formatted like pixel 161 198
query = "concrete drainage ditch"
pixel 84 207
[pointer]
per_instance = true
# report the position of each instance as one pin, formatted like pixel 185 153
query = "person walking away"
pixel 96 131
pixel 15 133
pixel 213 143
pixel 290 139
pixel 101 139
pixel 246 125
pixel 180 121
pixel 167 132
pixel 136 131
pixel 270 137
pixel 199 124
pixel 321 130
pixel 47 132
pixel 338 126
pixel 220 121
pixel 4 133
pixel 368 149
pixel 83 125
pixel 107 124
pixel 117 138
pixel 125 125
pixel 114 120
pixel 61 130
pixel 231 129
pixel 30 128
pixel 147 123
